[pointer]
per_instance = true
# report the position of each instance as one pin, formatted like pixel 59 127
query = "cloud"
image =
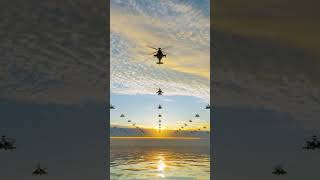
pixel 184 28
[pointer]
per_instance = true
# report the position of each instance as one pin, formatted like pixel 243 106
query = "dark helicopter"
pixel 158 54
pixel 190 120
pixel 111 106
pixel 278 170
pixel 122 115
pixel 7 143
pixel 40 171
pixel 159 107
pixel 208 106
pixel 159 92
pixel 159 121
pixel 197 115
pixel 159 115
pixel 186 124
pixel 129 120
pixel 312 144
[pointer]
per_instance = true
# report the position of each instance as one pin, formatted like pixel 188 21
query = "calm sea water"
pixel 159 159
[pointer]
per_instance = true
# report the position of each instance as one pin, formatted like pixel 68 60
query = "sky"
pixel 183 27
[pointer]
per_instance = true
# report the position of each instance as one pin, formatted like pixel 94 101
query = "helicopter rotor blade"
pixel 152 47
pixel 153 53
pixel 166 47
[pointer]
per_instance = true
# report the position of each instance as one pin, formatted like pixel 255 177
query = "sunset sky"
pixel 184 26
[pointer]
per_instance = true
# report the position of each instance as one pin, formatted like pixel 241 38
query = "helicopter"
pixel 7 143
pixel 122 115
pixel 159 115
pixel 158 54
pixel 208 106
pixel 278 170
pixel 39 171
pixel 129 120
pixel 159 121
pixel 197 115
pixel 159 107
pixel 159 92
pixel 111 106
pixel 312 144
pixel 186 124
pixel 190 120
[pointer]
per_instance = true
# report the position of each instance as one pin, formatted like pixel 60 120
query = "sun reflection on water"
pixel 161 167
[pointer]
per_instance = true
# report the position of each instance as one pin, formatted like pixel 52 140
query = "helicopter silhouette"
pixel 312 144
pixel 159 92
pixel 7 143
pixel 190 120
pixel 159 115
pixel 158 54
pixel 208 106
pixel 111 106
pixel 159 107
pixel 278 170
pixel 129 120
pixel 197 115
pixel 122 115
pixel 39 171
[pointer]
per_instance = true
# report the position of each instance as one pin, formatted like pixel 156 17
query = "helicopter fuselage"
pixel 159 55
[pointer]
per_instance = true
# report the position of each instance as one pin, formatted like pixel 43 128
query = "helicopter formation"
pixel 8 144
pixel 159 53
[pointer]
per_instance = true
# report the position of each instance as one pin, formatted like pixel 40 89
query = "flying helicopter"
pixel 159 92
pixel 122 115
pixel 312 144
pixel 111 106
pixel 278 170
pixel 39 171
pixel 185 124
pixel 159 107
pixel 159 115
pixel 208 106
pixel 7 143
pixel 129 120
pixel 197 115
pixel 158 53
pixel 159 121
pixel 190 120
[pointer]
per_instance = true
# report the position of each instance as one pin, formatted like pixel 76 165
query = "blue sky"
pixel 184 76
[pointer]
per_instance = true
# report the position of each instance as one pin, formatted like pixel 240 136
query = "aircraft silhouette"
pixel 39 171
pixel 208 106
pixel 158 54
pixel 159 107
pixel 159 92
pixel 122 115
pixel 278 170
pixel 197 115
pixel 312 144
pixel 111 106
pixel 159 120
pixel 185 124
pixel 129 120
pixel 7 144
pixel 159 115
pixel 190 120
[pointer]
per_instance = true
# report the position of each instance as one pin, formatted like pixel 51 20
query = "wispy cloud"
pixel 162 23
